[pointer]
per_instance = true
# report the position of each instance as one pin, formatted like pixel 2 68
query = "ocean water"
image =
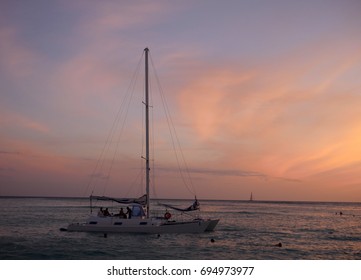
pixel 29 229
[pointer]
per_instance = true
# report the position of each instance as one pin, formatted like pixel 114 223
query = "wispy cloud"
pixel 13 120
pixel 15 59
pixel 218 172
pixel 277 118
pixel 9 153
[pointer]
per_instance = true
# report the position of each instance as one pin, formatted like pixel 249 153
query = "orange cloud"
pixel 277 119
pixel 208 105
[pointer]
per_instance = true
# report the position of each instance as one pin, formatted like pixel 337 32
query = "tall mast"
pixel 147 168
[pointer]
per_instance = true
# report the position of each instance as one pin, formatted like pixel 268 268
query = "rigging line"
pixel 173 135
pixel 101 160
pixel 173 131
pixel 132 185
pixel 152 140
pixel 153 160
pixel 126 101
pixel 106 146
pixel 132 87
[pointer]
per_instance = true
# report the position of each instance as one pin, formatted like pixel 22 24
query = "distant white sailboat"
pixel 139 218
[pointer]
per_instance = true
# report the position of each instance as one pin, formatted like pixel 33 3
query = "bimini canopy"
pixel 193 207
pixel 140 200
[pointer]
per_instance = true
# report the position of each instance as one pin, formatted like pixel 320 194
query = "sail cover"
pixel 193 207
pixel 140 200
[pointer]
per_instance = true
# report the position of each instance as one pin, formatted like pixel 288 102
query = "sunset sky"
pixel 265 96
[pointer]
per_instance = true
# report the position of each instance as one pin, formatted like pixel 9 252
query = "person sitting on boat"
pixel 122 215
pixel 129 213
pixel 106 212
pixel 101 212
pixel 195 204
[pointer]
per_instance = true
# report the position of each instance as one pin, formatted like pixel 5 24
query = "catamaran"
pixel 139 218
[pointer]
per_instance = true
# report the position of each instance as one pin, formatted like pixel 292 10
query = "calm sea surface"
pixel 29 229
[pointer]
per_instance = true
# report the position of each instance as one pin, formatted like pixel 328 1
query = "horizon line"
pixel 205 199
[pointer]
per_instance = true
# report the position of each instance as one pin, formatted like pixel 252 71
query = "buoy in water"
pixel 212 240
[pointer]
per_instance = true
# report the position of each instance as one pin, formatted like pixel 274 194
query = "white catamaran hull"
pixel 150 225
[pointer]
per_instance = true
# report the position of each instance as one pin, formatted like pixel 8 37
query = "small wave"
pixel 246 213
pixel 260 213
pixel 344 238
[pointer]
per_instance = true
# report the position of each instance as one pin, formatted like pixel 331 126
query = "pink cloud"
pixel 17 120
pixel 277 119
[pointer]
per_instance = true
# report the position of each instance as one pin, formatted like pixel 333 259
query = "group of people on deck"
pixel 121 215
